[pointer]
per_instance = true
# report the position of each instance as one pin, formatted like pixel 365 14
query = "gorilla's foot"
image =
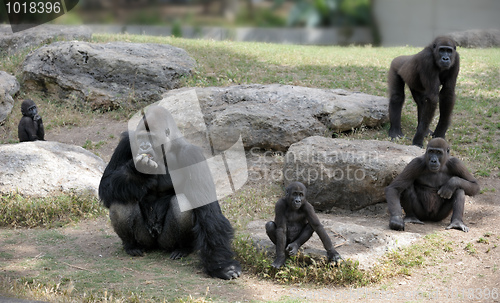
pixel 231 271
pixel 133 250
pixel 396 133
pixel 458 225
pixel 180 253
pixel 413 219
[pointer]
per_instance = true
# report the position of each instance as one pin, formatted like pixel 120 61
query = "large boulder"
pixel 478 38
pixel 14 42
pixel 42 168
pixel 346 174
pixel 8 88
pixel 276 116
pixel 107 75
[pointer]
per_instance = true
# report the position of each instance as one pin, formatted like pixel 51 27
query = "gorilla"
pixel 160 194
pixel 30 126
pixel 436 65
pixel 430 188
pixel 294 223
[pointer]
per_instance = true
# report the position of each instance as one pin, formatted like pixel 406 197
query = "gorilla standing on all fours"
pixel 145 210
pixel 430 188
pixel 437 65
pixel 30 126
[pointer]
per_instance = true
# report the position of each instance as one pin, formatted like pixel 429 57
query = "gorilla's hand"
pixel 333 256
pixel 36 117
pixel 292 249
pixel 147 160
pixel 396 223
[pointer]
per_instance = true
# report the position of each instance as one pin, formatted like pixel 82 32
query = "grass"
pixel 60 275
pixel 18 211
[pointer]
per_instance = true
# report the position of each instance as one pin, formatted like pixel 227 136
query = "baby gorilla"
pixel 30 126
pixel 294 223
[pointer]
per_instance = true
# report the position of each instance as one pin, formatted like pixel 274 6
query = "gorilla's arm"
pixel 212 229
pixel 121 182
pixel 460 178
pixel 41 131
pixel 281 230
pixel 315 223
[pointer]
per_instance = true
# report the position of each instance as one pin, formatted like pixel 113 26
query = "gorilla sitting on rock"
pixel 30 126
pixel 160 194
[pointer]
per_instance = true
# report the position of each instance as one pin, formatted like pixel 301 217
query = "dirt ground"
pixel 460 274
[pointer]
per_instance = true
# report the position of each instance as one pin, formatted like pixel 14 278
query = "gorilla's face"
pixel 29 109
pixel 152 140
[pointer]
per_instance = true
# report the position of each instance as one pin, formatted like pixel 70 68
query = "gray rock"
pixel 359 238
pixel 8 88
pixel 106 75
pixel 12 43
pixel 276 116
pixel 478 38
pixel 346 174
pixel 42 168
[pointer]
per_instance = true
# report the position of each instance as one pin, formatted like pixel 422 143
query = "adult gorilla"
pixel 437 64
pixel 430 188
pixel 146 211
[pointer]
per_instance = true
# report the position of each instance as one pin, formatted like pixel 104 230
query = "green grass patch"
pixel 19 211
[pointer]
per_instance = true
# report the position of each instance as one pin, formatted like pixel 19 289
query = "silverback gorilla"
pixel 437 64
pixel 294 223
pixel 30 126
pixel 430 188
pixel 145 209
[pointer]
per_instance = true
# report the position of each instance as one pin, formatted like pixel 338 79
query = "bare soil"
pixel 468 272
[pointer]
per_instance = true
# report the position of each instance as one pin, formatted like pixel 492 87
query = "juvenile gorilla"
pixel 294 223
pixel 430 188
pixel 144 207
pixel 437 64
pixel 30 126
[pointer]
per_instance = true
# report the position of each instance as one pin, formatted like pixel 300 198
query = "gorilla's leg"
pixel 130 227
pixel 177 235
pixel 271 231
pixel 426 114
pixel 411 204
pixel 397 99
pixel 457 202
pixel 420 101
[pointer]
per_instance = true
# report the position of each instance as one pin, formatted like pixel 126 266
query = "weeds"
pixel 19 211
pixel 300 268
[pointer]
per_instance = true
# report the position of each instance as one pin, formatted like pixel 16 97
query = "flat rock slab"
pixel 12 43
pixel 43 168
pixel 361 238
pixel 106 76
pixel 276 116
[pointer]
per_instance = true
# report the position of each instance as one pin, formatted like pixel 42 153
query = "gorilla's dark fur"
pixel 30 126
pixel 144 208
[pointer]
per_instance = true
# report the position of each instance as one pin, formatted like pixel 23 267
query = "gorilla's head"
pixel 28 108
pixel 152 139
